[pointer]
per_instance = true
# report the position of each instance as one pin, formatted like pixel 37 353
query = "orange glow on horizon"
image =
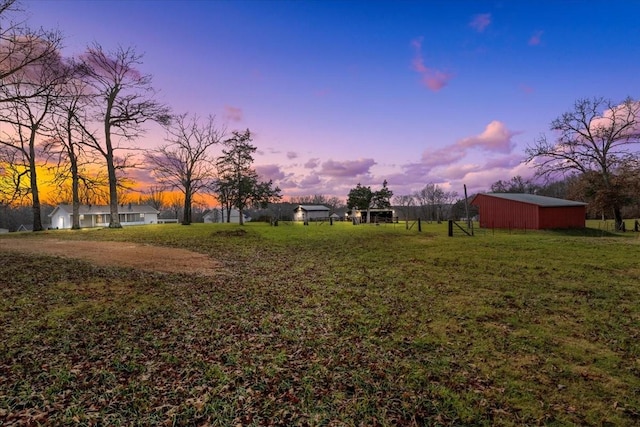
pixel 54 192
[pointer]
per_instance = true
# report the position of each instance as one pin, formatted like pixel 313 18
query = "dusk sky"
pixel 345 92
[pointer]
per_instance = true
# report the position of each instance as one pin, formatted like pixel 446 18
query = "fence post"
pixel 419 225
pixel 450 228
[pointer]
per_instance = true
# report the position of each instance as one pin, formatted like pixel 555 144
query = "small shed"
pixel 310 213
pixel 528 211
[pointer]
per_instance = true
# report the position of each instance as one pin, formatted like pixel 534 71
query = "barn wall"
pixel 503 213
pixel 302 215
pixel 563 217
pixel 500 213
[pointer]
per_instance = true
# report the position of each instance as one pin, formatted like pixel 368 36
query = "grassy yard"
pixel 328 326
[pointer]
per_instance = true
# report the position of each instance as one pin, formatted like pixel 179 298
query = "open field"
pixel 326 326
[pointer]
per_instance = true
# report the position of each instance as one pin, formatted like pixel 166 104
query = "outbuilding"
pixel 310 213
pixel 528 211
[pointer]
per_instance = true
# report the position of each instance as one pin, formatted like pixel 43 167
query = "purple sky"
pixel 345 92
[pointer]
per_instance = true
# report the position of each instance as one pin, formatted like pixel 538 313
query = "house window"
pixel 130 217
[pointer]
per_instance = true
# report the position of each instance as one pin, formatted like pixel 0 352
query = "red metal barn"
pixel 528 211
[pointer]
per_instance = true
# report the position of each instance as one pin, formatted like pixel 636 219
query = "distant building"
pixel 100 216
pixel 372 216
pixel 310 213
pixel 528 211
pixel 219 215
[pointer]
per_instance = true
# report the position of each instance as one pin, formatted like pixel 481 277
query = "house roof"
pixel 309 208
pixel 105 209
pixel 533 199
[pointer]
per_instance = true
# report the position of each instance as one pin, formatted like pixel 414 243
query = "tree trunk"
pixel 186 219
pixel 617 216
pixel 35 196
pixel 75 193
pixel 114 221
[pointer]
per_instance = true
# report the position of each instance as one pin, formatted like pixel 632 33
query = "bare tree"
pixel 22 47
pixel 185 163
pixel 432 200
pixel 405 203
pixel 424 198
pixel 517 184
pixel 596 139
pixel 12 171
pixel 332 202
pixel 123 102
pixel 154 196
pixel 66 144
pixel 314 199
pixel 29 96
pixel 175 204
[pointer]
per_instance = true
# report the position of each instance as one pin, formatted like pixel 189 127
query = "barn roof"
pixel 309 208
pixel 534 199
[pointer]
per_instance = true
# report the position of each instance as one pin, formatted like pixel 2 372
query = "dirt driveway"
pixel 122 254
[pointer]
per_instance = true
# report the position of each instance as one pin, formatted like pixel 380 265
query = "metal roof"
pixel 534 199
pixel 312 208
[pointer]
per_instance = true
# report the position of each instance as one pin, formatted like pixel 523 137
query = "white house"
pixel 218 215
pixel 99 216
pixel 310 213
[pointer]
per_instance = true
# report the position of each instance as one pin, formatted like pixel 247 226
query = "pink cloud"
pixel 505 162
pixel 442 156
pixel 431 78
pixel 454 172
pixel 536 38
pixel 417 170
pixel 310 181
pixel 480 22
pixel 614 116
pixel 268 172
pixel 348 168
pixel 399 180
pixel 452 165
pixel 141 176
pixel 312 163
pixel 233 114
pixel 495 137
pixel 292 155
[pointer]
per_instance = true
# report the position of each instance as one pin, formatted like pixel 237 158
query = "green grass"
pixel 328 326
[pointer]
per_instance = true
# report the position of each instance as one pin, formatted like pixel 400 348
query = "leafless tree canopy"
pixel 123 102
pixel 597 139
pixel 332 202
pixel 28 96
pixel 185 162
pixel 22 47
